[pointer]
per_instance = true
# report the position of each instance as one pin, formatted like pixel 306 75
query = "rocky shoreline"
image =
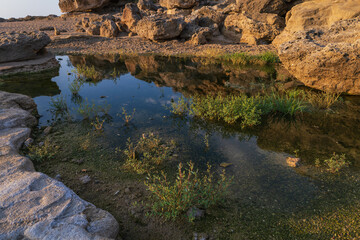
pixel 33 205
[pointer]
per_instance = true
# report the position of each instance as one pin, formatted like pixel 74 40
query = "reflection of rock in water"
pixel 189 76
pixel 33 85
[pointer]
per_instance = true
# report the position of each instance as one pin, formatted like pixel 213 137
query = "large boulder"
pixel 160 27
pixel 178 3
pixel 15 46
pixel 109 29
pixel 243 28
pixel 320 44
pixel 81 5
pixel 328 60
pixel 131 15
pixel 317 15
pixel 279 7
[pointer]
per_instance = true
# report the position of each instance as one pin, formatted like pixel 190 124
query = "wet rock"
pixel 85 179
pixel 160 27
pixel 195 213
pixel 28 142
pixel 178 3
pixel 109 29
pixel 17 46
pixel 293 162
pixel 81 5
pixel 131 15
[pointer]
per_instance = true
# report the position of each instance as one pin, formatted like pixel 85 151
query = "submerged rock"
pixel 15 46
pixel 293 162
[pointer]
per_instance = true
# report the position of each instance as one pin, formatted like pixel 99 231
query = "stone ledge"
pixel 35 206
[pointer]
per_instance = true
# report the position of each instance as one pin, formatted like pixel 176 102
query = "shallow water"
pixel 149 84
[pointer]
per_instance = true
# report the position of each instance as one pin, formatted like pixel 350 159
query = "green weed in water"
pixel 91 110
pixel 75 86
pixel 333 164
pixel 42 153
pixel 171 199
pixel 128 117
pixel 97 124
pixel 149 151
pixel 58 106
pixel 323 100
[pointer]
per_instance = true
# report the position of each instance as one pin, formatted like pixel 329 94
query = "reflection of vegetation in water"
pixel 149 151
pixel 248 110
pixel 170 199
pixel 58 106
pixel 87 72
pixel 75 86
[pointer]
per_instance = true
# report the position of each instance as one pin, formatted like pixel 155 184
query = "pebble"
pixel 47 130
pixel 85 179
pixel 41 144
pixel 127 190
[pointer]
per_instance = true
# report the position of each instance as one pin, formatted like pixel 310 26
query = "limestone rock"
pixel 13 100
pixel 81 5
pixel 327 60
pixel 33 205
pixel 145 5
pixel 243 28
pixel 178 3
pixel 131 15
pixel 279 7
pixel 317 15
pixel 15 46
pixel 293 162
pixel 109 29
pixel 94 28
pixel 211 14
pixel 159 27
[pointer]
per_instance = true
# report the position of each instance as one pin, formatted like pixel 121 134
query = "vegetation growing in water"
pixel 92 110
pixel 149 151
pixel 334 164
pixel 248 110
pixel 170 199
pixel 58 106
pixel 75 86
pixel 128 117
pixel 43 152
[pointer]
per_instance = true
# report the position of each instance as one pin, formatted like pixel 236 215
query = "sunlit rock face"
pixel 81 5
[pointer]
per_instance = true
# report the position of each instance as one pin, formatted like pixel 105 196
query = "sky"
pixel 22 8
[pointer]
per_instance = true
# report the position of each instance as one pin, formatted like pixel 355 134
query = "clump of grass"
pixel 334 164
pixel 181 107
pixel 244 58
pixel 149 151
pixel 171 199
pixel 126 116
pixel 247 110
pixel 323 100
pixel 42 153
pixel 87 72
pixel 91 110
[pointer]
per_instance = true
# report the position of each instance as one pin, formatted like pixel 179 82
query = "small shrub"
pixel 149 151
pixel 42 153
pixel 170 199
pixel 336 163
pixel 97 124
pixel 128 117
pixel 181 107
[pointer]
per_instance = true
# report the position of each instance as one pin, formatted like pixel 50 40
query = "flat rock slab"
pixel 33 205
pixel 15 46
